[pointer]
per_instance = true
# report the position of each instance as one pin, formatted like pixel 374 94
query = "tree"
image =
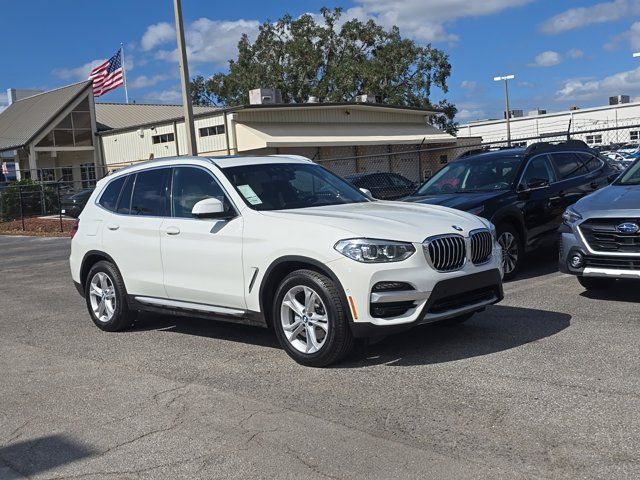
pixel 335 62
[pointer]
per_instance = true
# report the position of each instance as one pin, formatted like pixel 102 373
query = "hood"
pixel 616 200
pixel 460 201
pixel 408 222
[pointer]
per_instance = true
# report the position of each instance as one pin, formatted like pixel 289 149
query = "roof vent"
pixel 264 96
pixel 313 99
pixel 368 98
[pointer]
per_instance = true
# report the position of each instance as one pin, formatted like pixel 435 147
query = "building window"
pixel 213 130
pixel 74 130
pixel 46 175
pixel 163 138
pixel 594 139
pixel 634 135
pixel 66 174
pixel 88 175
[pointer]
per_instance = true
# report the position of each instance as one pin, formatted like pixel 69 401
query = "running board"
pixel 198 307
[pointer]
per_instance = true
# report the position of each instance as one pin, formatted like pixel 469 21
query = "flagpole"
pixel 124 73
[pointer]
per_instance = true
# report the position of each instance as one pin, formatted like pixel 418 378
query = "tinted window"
pixel 591 162
pixel 398 181
pixel 568 165
pixel 150 193
pixel 538 169
pixel 279 186
pixel 124 202
pixel 190 185
pixel 109 198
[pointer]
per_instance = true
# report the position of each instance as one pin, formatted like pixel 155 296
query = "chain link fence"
pixel 47 204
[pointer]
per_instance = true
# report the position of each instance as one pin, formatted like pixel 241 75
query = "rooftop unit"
pixel 368 98
pixel 513 114
pixel 618 99
pixel 264 96
pixel 536 112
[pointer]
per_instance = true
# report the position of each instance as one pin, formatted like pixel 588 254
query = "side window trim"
pixel 208 172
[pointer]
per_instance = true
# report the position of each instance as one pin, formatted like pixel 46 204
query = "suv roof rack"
pixel 553 146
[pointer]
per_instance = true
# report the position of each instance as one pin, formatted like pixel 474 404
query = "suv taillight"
pixel 74 228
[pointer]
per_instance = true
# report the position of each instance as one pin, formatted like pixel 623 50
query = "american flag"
pixel 108 75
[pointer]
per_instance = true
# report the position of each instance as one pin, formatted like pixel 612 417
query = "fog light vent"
pixel 391 287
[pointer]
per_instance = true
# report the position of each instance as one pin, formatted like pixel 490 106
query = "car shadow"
pixel 538 263
pixel 38 455
pixel 497 329
pixel 203 327
pixel 620 291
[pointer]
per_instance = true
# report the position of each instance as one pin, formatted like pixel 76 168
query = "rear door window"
pixel 592 162
pixel 109 198
pixel 150 193
pixel 568 165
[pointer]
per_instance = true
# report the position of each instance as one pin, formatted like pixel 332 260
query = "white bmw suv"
pixel 277 241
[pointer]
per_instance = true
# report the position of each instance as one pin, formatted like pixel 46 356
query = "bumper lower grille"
pixel 481 246
pixel 446 253
pixel 469 298
pixel 613 263
pixel 602 235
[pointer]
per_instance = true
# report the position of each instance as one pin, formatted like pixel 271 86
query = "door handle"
pixel 113 227
pixel 172 231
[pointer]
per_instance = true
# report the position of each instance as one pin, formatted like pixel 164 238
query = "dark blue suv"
pixel 523 191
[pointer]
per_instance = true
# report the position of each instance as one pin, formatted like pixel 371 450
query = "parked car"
pixel 383 185
pixel 281 242
pixel 72 206
pixel 600 234
pixel 523 191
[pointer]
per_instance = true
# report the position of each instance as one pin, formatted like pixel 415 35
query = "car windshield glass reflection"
pixel 464 176
pixel 291 185
pixel 631 176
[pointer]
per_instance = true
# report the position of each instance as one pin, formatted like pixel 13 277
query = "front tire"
pixel 310 320
pixel 595 283
pixel 512 250
pixel 106 298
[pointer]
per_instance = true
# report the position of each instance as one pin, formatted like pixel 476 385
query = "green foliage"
pixel 36 199
pixel 302 58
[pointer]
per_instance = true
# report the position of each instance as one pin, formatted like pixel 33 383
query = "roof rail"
pixel 552 146
pixel 291 156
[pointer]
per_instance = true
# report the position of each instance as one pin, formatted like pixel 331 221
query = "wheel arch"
pixel 514 219
pixel 89 260
pixel 283 266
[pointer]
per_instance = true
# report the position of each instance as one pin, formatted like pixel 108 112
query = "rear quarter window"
pixel 109 198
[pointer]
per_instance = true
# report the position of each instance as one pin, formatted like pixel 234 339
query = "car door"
pixel 540 204
pixel 380 186
pixel 131 235
pixel 401 186
pixel 598 173
pixel 572 175
pixel 202 258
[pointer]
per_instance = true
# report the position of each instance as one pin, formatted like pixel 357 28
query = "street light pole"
pixel 506 79
pixel 192 148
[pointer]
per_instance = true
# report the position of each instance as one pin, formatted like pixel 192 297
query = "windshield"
pixel 631 176
pixel 473 175
pixel 281 186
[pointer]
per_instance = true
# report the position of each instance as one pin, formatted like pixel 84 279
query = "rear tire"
pixel 595 283
pixel 310 320
pixel 512 250
pixel 106 298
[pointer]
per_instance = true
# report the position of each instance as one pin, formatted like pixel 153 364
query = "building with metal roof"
pixel 63 135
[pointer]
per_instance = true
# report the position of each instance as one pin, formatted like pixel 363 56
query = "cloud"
pixel 551 58
pixel 157 34
pixel 468 85
pixel 425 20
pixel 584 16
pixel 592 88
pixel 144 81
pixel 208 41
pixel 547 59
pixel 631 36
pixel 77 73
pixel 171 95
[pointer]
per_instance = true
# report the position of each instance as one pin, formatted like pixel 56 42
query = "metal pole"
pixel 124 74
pixel 60 208
pixel 192 148
pixel 21 211
pixel 508 112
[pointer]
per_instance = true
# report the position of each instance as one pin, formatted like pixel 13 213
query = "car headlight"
pixel 476 210
pixel 570 217
pixel 366 250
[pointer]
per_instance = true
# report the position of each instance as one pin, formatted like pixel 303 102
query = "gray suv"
pixel 600 234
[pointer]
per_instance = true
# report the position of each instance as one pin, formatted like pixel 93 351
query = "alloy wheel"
pixel 102 296
pixel 304 319
pixel 510 252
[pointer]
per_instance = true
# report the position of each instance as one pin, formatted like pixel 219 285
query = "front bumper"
pixel 434 295
pixel 595 264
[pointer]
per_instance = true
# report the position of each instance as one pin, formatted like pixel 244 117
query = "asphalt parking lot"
pixel 544 385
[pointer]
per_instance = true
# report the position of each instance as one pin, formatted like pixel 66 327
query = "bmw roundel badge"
pixel 456 227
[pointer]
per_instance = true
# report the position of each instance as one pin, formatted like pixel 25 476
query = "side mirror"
pixel 366 191
pixel 210 208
